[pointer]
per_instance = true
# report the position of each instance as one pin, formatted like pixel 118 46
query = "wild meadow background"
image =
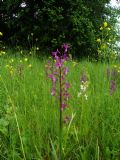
pixel 56 105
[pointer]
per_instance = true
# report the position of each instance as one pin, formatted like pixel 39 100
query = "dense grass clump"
pixel 29 115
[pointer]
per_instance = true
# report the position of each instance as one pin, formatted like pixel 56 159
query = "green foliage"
pixel 106 43
pixel 54 22
pixel 29 116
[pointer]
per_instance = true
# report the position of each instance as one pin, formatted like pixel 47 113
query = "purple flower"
pixel 66 96
pixel 52 77
pixel 66 70
pixel 112 87
pixel 63 106
pixel 52 91
pixel 67 85
pixel 55 54
pixel 65 47
pixel 65 56
pixel 57 72
pixel 58 64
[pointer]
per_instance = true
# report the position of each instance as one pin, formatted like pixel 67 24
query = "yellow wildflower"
pixel 3 52
pixel 103 46
pixel 12 60
pixel 101 28
pixel 109 28
pixel 98 40
pixel 11 70
pixel 11 67
pixel 49 57
pixel 26 59
pixel 1 34
pixel 30 65
pixel 105 24
pixel 7 66
pixel 115 66
pixel 21 52
pixel 109 40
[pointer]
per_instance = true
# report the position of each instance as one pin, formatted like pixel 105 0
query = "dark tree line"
pixel 53 22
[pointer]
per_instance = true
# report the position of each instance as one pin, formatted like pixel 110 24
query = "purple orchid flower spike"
pixel 58 64
pixel 63 106
pixel 67 85
pixel 53 91
pixel 66 70
pixel 56 54
pixel 112 87
pixel 52 76
pixel 65 47
pixel 57 72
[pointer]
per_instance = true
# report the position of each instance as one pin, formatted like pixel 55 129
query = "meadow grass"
pixel 29 115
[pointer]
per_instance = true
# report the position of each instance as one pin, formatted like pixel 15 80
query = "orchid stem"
pixel 60 131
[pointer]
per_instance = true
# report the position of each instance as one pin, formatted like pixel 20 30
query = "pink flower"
pixel 56 54
pixel 65 47
pixel 58 64
pixel 52 77
pixel 53 92
pixel 57 73
pixel 67 85
pixel 112 87
pixel 63 106
pixel 66 70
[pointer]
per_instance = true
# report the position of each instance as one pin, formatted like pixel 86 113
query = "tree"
pixel 54 22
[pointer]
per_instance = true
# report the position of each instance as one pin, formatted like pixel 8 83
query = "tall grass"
pixel 29 115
